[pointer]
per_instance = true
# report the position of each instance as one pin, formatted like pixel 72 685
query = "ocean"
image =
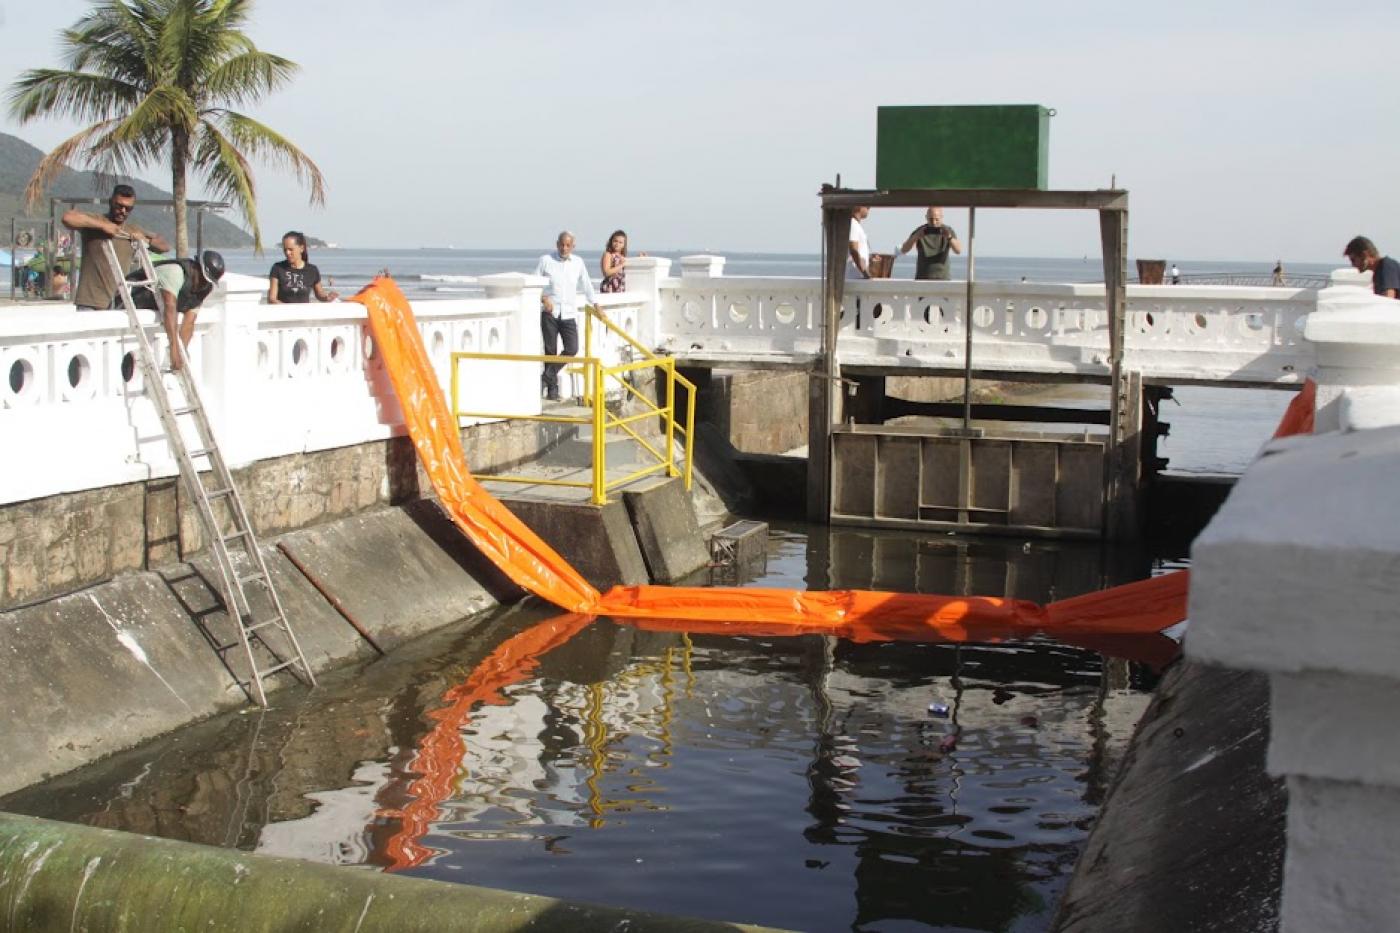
pixel 448 273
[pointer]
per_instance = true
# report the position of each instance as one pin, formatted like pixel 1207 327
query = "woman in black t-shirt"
pixel 294 280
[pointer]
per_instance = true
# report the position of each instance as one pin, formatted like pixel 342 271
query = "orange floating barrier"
pixel 1124 620
pixel 1299 416
pixel 503 538
pixel 861 614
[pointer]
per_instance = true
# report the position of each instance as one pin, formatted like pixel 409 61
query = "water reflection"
pixel 794 781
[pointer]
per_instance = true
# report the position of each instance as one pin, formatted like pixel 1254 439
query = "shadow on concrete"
pixel 430 517
pixel 200 600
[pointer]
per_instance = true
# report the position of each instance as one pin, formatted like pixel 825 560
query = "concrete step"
pixel 578 452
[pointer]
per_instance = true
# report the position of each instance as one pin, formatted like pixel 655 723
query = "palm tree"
pixel 158 78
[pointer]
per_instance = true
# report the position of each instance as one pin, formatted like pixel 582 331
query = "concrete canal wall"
pixel 61 543
pixel 105 668
pixel 1262 790
pixel 97 671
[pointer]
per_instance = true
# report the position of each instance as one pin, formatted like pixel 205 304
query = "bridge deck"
pixel 1028 371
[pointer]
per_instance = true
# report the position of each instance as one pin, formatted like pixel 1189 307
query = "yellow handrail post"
pixel 587 346
pixel 671 417
pixel 689 433
pixel 456 418
pixel 600 464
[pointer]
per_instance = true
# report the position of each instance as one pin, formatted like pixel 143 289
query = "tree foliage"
pixel 157 81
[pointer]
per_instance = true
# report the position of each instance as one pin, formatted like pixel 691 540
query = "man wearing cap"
pixel 1385 272
pixel 96 284
pixel 183 285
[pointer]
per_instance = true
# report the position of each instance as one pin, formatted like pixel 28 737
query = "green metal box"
pixel 1004 146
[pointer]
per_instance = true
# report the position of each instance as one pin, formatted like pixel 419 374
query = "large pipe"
pixel 62 877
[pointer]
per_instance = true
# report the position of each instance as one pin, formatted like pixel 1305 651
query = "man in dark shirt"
pixel 1385 272
pixel 96 284
pixel 934 240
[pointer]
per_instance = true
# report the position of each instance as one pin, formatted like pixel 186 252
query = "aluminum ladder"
pixel 236 553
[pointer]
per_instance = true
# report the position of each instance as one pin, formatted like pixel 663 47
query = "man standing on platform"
pixel 96 284
pixel 559 307
pixel 934 239
pixel 1385 272
pixel 860 243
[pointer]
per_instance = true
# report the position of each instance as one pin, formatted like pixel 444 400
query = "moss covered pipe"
pixel 60 876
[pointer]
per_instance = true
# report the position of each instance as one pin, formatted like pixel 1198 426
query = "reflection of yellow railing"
pixel 597 379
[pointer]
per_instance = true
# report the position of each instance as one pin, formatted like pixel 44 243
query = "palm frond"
pixel 57 160
pixel 116 38
pixel 247 77
pixel 227 174
pixel 80 95
pixel 164 109
pixel 262 142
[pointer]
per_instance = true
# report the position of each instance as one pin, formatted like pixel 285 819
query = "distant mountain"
pixel 18 160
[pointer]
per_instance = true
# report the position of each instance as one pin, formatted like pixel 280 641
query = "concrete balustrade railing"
pixel 287 379
pixel 1297 577
pixel 1246 335
pixel 277 379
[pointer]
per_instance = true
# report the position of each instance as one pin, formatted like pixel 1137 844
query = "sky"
pixel 1241 133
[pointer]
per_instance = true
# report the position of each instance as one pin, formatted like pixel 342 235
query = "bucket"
pixel 881 265
pixel 1151 271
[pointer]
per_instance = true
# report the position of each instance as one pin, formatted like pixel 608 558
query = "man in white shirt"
pixel 860 243
pixel 559 307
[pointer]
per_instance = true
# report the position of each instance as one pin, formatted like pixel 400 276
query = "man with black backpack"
pixel 183 285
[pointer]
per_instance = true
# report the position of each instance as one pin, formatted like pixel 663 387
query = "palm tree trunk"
pixel 179 158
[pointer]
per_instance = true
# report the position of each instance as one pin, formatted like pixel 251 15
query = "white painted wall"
pixel 277 380
pixel 1299 576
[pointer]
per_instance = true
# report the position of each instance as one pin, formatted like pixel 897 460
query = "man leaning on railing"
pixel 1385 272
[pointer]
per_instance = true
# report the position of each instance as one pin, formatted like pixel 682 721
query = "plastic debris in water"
pixel 949 743
pixel 939 709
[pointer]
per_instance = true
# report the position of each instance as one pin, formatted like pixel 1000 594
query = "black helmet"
pixel 212 265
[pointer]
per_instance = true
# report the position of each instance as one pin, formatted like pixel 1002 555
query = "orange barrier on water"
pixel 536 567
pixel 1298 418
pixel 1124 621
pixel 503 538
pixel 438 757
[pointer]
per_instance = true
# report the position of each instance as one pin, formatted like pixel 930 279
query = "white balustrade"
pixel 277 379
pixel 289 378
pixel 1186 333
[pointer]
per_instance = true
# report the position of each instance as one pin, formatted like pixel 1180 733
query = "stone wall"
pixel 765 411
pixel 759 412
pixel 62 543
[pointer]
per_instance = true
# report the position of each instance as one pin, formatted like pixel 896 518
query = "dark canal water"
pixel 799 782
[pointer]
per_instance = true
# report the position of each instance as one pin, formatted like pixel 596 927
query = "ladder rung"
pixel 276 667
pixel 264 624
pixel 218 493
pixel 184 410
pixel 201 452
pixel 258 577
pixel 235 536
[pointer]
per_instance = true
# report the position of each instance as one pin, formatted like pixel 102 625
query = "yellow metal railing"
pixel 597 379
